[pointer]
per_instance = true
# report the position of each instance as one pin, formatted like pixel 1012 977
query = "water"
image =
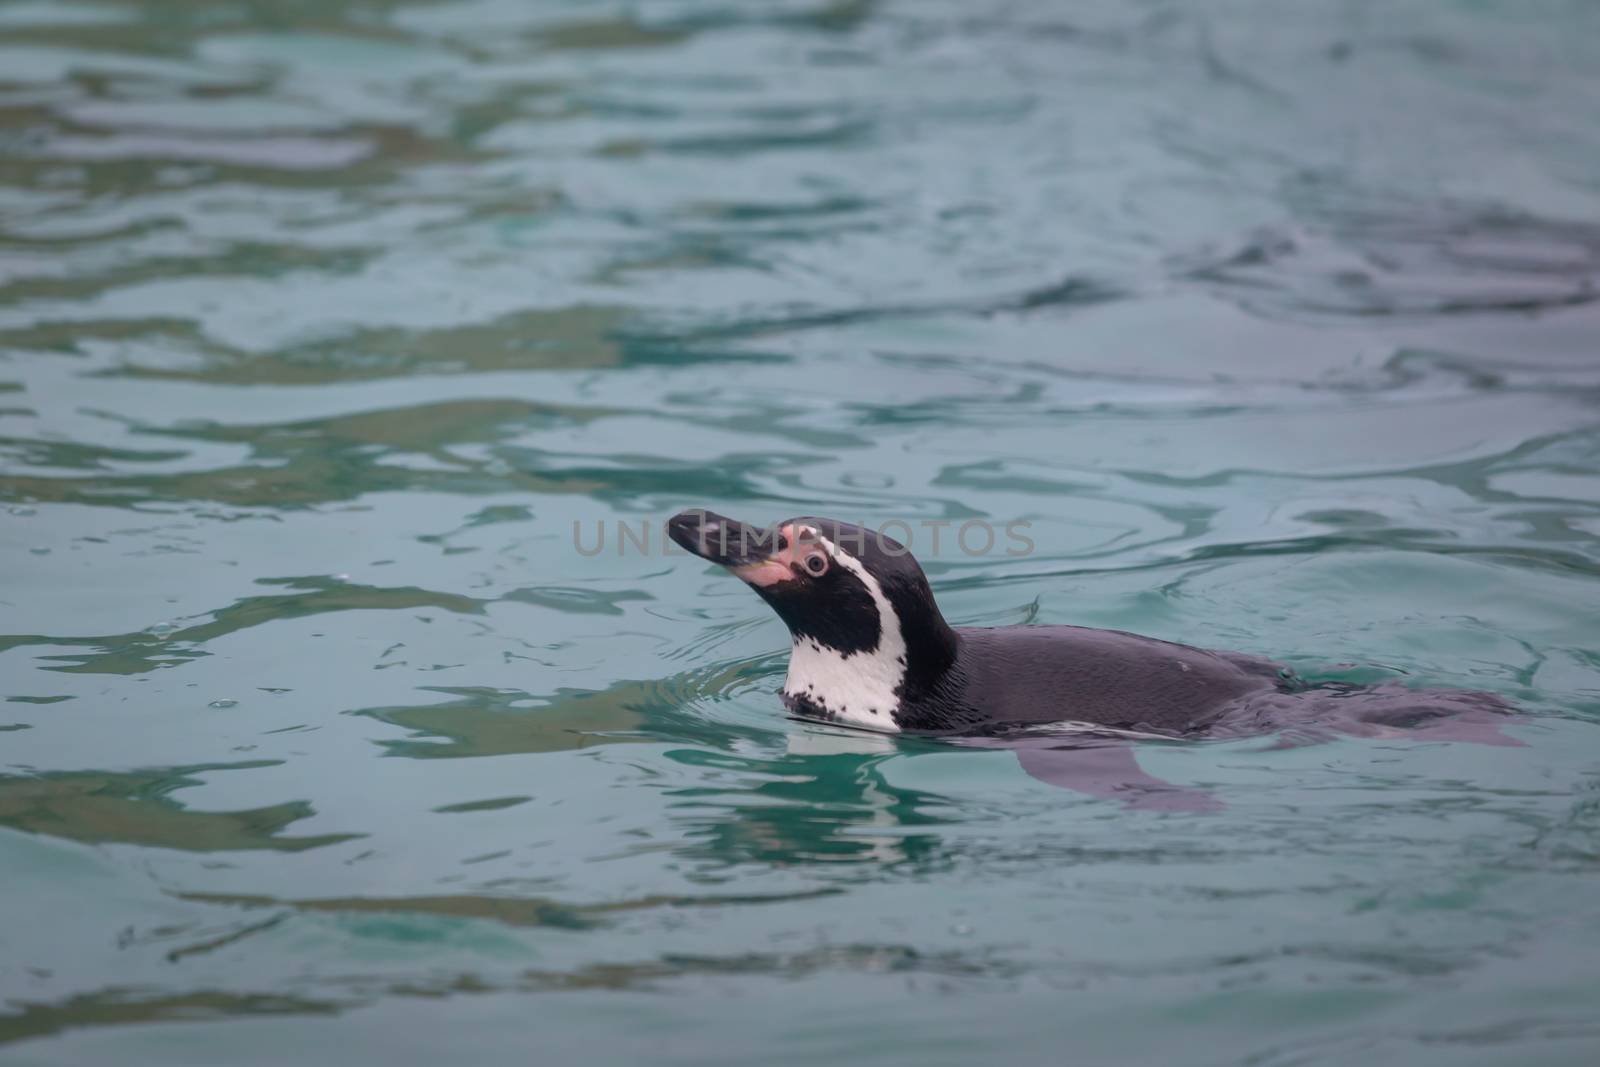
pixel 321 324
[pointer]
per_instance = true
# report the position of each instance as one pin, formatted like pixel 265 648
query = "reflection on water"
pixel 482 722
pixel 138 809
pixel 321 326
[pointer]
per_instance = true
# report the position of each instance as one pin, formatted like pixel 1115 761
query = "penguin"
pixel 871 650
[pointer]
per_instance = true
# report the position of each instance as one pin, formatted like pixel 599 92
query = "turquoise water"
pixel 322 324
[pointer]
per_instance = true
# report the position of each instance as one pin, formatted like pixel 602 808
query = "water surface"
pixel 322 324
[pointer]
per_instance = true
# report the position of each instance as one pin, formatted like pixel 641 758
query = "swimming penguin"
pixel 870 649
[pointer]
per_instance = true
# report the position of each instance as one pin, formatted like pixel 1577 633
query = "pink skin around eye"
pixel 779 567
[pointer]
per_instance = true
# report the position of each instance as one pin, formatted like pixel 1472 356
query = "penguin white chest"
pixel 861 688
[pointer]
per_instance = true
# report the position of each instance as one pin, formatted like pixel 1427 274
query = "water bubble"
pixel 223 703
pixel 23 511
pixel 161 629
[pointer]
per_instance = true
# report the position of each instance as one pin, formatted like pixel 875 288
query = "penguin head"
pixel 866 632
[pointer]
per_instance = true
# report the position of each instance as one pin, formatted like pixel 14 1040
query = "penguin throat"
pixel 862 687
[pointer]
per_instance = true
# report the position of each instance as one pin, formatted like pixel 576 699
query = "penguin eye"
pixel 816 564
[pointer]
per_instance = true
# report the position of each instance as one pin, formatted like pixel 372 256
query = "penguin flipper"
pixel 1107 770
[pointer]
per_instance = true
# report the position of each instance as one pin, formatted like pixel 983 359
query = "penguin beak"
pixel 722 540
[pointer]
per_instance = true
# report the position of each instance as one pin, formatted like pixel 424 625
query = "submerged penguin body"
pixel 870 649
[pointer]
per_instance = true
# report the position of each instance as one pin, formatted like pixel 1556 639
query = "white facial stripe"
pixel 858 689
